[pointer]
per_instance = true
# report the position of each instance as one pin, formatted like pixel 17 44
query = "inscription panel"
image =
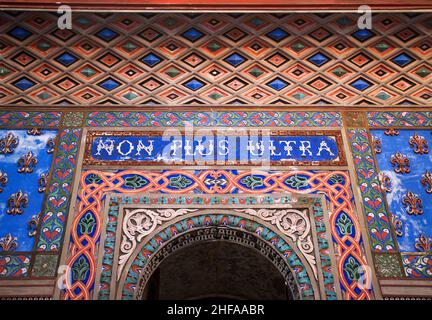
pixel 242 147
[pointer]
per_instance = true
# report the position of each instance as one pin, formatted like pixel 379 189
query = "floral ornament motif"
pixel 253 181
pixel 8 144
pixel 179 182
pixel 50 146
pixel 33 225
pixel 34 132
pixel 377 145
pixel 16 203
pixel 386 183
pixel 353 269
pixel 388 266
pixel 413 203
pixel 297 182
pixel 3 180
pixel 80 269
pixel 401 162
pixel 87 224
pixel 391 132
pixel 344 224
pixel 93 179
pixel 135 182
pixel 42 182
pixel 426 181
pixel 398 226
pixel 423 244
pixel 419 144
pixel 27 163
pixel 337 178
pixel 73 119
pixel 8 243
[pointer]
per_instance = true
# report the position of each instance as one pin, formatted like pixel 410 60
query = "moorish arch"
pixel 232 227
pixel 334 186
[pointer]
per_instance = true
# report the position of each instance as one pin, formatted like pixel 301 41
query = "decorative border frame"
pixel 116 203
pixel 214 119
pixel 91 135
pixel 334 184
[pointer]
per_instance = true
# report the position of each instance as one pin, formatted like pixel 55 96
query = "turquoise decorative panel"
pixel 25 162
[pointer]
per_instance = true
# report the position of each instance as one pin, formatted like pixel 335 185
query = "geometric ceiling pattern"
pixel 215 59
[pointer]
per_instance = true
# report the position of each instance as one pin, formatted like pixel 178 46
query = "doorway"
pixel 216 270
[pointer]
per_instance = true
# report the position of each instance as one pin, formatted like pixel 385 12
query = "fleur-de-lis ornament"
pixel 8 143
pixel 426 181
pixel 27 163
pixel 377 145
pixel 398 226
pixel 401 162
pixel 42 182
pixel 386 183
pixel 423 244
pixel 50 146
pixel 391 132
pixel 419 144
pixel 3 180
pixel 413 204
pixel 33 224
pixel 34 132
pixel 17 202
pixel 8 243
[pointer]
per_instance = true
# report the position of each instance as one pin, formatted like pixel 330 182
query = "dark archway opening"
pixel 216 270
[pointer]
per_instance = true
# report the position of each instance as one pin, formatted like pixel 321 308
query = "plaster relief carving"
pixel 138 223
pixel 294 224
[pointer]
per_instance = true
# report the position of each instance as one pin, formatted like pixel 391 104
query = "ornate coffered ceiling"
pixel 215 59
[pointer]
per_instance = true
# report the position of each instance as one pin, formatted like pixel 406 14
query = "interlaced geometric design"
pixel 335 185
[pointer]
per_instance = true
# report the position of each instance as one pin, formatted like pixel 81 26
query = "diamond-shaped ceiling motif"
pixel 363 35
pixel 19 33
pixel 66 59
pixel 194 84
pixel 318 59
pixel 151 59
pixel 236 84
pixel 235 59
pixel 109 84
pixel 23 58
pixel 45 71
pixel 109 60
pixel 320 34
pixel 255 59
pixel 277 84
pixel 24 83
pixel 402 60
pixel 192 35
pixel 235 35
pixel 361 84
pixel 151 84
pixel 277 59
pixel 150 35
pixel 107 34
pixel 277 34
pixel 193 60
